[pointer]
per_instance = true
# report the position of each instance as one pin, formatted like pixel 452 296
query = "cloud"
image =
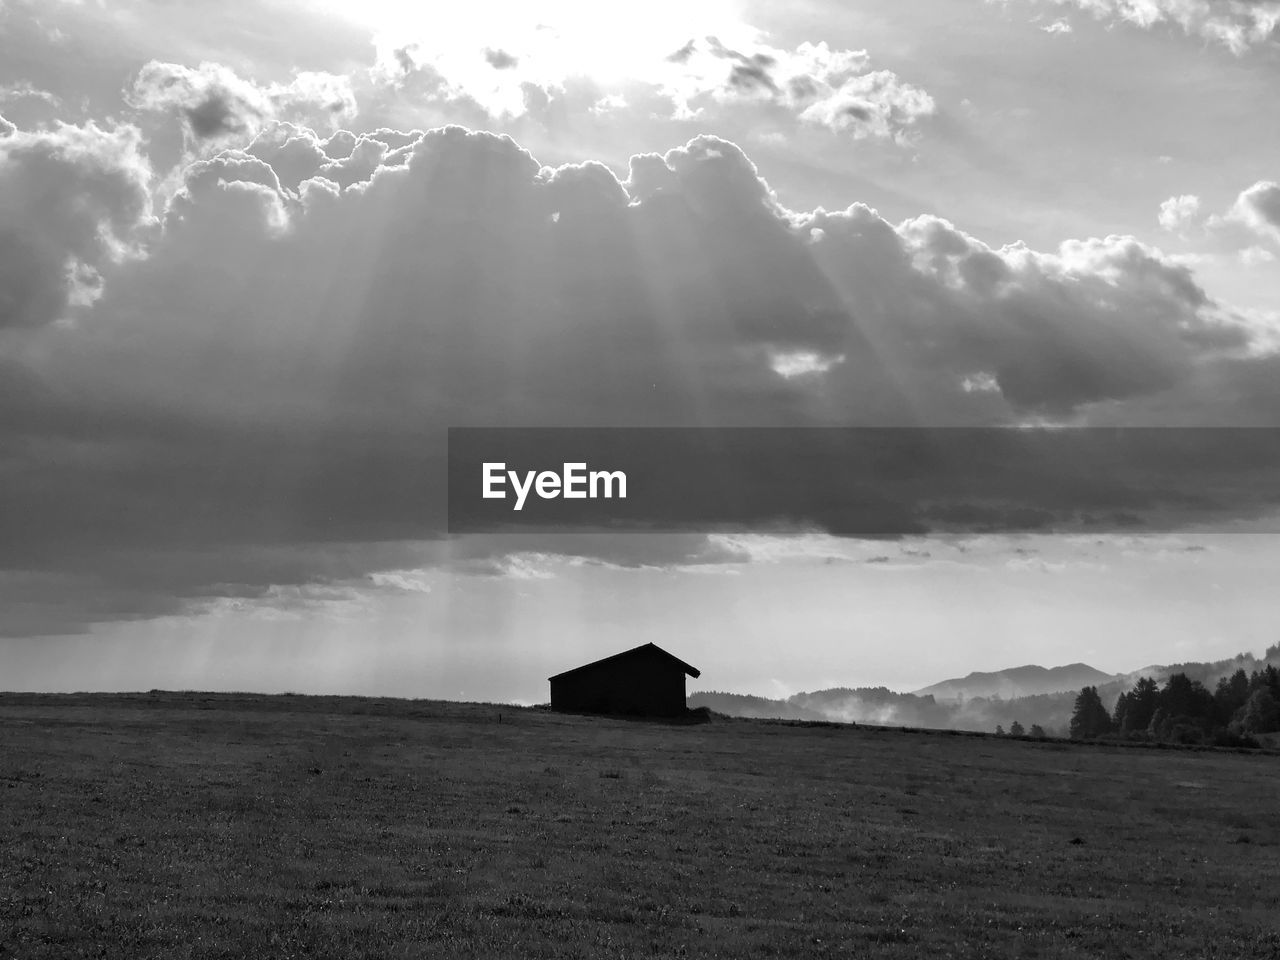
pixel 116 582
pixel 1100 319
pixel 26 90
pixel 549 74
pixel 74 201
pixel 219 106
pixel 1058 26
pixel 1178 213
pixel 1258 208
pixel 836 89
pixel 500 59
pixel 295 154
pixel 1239 25
pixel 1253 216
pixel 275 370
pixel 1255 255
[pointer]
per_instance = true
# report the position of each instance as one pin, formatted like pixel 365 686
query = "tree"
pixel 1120 716
pixel 1271 677
pixel 1089 718
pixel 1233 691
pixel 999 730
pixel 1261 714
pixel 1184 697
pixel 1037 731
pixel 1139 706
pixel 1016 730
pixel 1231 694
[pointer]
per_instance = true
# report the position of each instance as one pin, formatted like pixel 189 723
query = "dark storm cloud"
pixel 32 284
pixel 278 370
pixel 124 583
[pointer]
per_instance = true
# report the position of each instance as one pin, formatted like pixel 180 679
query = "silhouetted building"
pixel 644 680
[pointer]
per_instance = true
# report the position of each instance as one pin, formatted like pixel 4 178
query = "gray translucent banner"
pixel 863 481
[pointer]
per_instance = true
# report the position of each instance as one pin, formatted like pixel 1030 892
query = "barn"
pixel 645 681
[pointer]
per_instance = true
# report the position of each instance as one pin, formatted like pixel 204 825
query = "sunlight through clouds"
pixel 489 49
pixel 255 261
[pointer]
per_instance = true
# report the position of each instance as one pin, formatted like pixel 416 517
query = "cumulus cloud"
pixel 295 154
pixel 1100 319
pixel 218 105
pixel 692 247
pixel 1248 225
pixel 312 313
pixel 833 88
pixel 73 201
pixel 1258 208
pixel 1178 213
pixel 1236 24
pixel 544 68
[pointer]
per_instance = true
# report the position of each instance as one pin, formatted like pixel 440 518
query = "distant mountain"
pixel 878 705
pixel 981 701
pixel 1028 681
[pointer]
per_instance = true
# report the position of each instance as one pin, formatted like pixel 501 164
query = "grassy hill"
pixel 199 825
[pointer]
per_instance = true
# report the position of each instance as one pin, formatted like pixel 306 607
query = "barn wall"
pixel 640 685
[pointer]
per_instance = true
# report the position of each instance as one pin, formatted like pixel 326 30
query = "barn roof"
pixel 644 650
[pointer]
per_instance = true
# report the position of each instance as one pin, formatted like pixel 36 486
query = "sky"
pixel 256 258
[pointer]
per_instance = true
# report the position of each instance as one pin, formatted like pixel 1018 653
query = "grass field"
pixel 193 825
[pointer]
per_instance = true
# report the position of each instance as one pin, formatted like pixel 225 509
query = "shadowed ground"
pixel 195 825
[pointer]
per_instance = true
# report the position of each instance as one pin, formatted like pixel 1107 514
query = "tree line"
pixel 1185 710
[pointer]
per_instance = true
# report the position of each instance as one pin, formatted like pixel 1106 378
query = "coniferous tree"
pixel 1120 716
pixel 1142 704
pixel 1271 678
pixel 1184 699
pixel 1231 694
pixel 1089 718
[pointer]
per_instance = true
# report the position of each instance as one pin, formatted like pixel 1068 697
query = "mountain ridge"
pixel 1025 681
pixel 1051 711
